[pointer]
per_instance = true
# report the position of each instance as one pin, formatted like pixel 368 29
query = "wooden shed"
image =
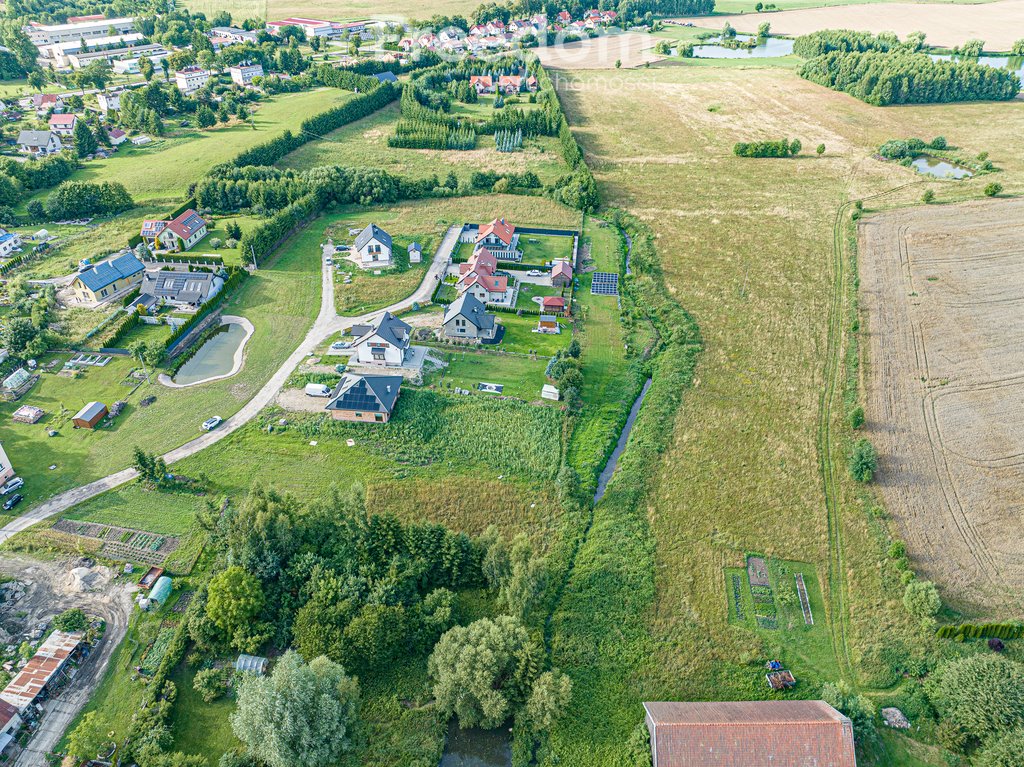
pixel 90 415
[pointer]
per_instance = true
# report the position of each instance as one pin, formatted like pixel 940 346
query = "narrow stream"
pixel 613 460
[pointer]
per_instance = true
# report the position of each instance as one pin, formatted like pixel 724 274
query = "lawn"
pixel 528 290
pixel 364 144
pixel 519 335
pixel 134 506
pixel 521 376
pixel 199 727
pixel 164 169
pixel 746 249
pixel 543 249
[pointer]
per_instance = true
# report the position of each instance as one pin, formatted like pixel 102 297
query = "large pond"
pixel 477 748
pixel 1013 63
pixel 933 166
pixel 215 358
pixel 766 48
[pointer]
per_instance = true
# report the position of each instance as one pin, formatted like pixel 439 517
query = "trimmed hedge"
pixel 261 240
pixel 1012 630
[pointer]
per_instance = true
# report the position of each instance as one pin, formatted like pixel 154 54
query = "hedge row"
pixel 261 240
pixel 1011 630
pixel 129 323
pixel 315 127
pixel 167 259
pixel 12 264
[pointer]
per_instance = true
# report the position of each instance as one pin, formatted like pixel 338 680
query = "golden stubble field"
pixel 943 292
pixel 747 247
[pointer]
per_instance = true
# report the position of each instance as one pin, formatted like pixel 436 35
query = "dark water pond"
pixel 933 166
pixel 215 358
pixel 477 748
pixel 768 48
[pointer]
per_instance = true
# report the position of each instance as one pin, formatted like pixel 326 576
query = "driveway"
pixel 326 324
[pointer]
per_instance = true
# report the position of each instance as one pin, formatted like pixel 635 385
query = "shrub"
pixel 210 683
pixel 928 196
pixel 857 417
pixel 863 461
pixel 216 243
pixel 982 696
pixel 71 620
pixel 921 599
pixel 992 189
pixel 939 142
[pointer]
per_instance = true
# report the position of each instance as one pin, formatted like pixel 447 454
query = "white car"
pixel 535 273
pixel 12 484
pixel 329 261
pixel 212 423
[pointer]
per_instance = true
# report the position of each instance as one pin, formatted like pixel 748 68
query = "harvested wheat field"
pixel 998 24
pixel 943 291
pixel 630 49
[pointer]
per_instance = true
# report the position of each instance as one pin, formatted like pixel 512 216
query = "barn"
pixel 90 415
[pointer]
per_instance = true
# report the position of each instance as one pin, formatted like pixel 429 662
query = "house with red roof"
pixel 179 234
pixel 552 304
pixel 780 733
pixel 479 278
pixel 510 84
pixel 501 239
pixel 482 83
pixel 63 124
pixel 564 16
pixel 561 274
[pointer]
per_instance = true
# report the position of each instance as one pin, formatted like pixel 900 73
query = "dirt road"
pixel 50 589
pixel 326 324
pixel 944 296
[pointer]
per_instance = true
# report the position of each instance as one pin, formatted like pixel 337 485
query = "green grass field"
pixel 199 727
pixel 164 169
pixel 364 144
pixel 134 506
pixel 519 375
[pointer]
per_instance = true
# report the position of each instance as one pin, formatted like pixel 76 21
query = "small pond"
pixel 215 358
pixel 933 166
pixel 1013 63
pixel 768 48
pixel 477 748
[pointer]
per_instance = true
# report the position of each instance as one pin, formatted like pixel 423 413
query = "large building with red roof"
pixel 180 233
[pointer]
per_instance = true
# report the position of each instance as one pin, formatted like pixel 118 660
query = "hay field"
pixel 336 10
pixel 747 247
pixel 943 291
pixel 631 49
pixel 998 24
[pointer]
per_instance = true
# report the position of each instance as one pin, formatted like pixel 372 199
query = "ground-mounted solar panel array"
pixel 605 284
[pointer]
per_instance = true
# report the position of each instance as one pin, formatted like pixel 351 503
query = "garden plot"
pixel 942 290
pixel 122 542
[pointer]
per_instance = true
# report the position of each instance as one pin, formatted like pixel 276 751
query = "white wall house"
pixel 373 246
pixel 384 342
pixel 191 79
pixel 242 74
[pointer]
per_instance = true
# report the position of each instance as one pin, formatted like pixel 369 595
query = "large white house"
pixel 373 247
pixel 242 74
pixel 384 342
pixel 179 234
pixel 9 242
pixel 39 143
pixel 191 79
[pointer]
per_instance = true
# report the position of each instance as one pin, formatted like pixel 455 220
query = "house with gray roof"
pixel 39 143
pixel 99 282
pixel 385 342
pixel 467 317
pixel 365 399
pixel 181 289
pixel 373 247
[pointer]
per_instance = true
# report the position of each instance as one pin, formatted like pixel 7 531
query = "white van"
pixel 318 390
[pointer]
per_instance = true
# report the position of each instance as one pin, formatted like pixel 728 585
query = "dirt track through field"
pixel 998 24
pixel 943 292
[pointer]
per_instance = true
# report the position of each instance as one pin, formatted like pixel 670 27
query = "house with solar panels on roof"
pixel 364 399
pixel 383 342
pixel 9 242
pixel 178 234
pixel 373 247
pixel 182 289
pixel 100 282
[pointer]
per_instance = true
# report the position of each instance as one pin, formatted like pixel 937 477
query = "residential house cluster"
pixel 178 234
pixel 316 27
pixel 509 84
pixel 479 277
pixel 481 38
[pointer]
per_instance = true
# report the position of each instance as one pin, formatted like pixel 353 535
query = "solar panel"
pixel 605 284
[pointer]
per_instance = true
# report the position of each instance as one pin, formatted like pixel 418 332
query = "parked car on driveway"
pixel 535 273
pixel 12 484
pixel 212 423
pixel 13 501
pixel 340 345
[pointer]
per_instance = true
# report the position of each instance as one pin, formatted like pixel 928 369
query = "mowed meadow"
pixel 747 247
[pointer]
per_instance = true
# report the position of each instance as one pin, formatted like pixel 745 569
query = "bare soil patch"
pixel 944 295
pixel 998 24
pixel 631 49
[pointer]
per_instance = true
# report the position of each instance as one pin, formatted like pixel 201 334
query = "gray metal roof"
pixel 372 232
pixel 181 287
pixel 34 137
pixel 90 411
pixel 391 329
pixel 469 306
pixel 368 394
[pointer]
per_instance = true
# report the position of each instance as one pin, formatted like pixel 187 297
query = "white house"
pixel 191 79
pixel 383 342
pixel 9 241
pixel 109 102
pixel 63 124
pixel 39 142
pixel 373 246
pixel 117 136
pixel 242 74
pixel 180 233
pixel 415 253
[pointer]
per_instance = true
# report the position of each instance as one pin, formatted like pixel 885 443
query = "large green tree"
pixel 300 714
pixel 234 599
pixel 482 673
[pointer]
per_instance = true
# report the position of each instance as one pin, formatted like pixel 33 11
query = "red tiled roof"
pixel 7 713
pixel 42 667
pixel 485 80
pixel 492 283
pixel 553 302
pixel 499 228
pixel 561 268
pixel 62 120
pixel 780 733
pixel 186 224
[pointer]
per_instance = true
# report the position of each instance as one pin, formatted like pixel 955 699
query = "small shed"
pixel 548 323
pixel 415 253
pixel 161 589
pixel 251 664
pixel 549 392
pixel 90 415
pixel 552 304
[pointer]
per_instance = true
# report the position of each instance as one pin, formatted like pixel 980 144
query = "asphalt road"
pixel 326 324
